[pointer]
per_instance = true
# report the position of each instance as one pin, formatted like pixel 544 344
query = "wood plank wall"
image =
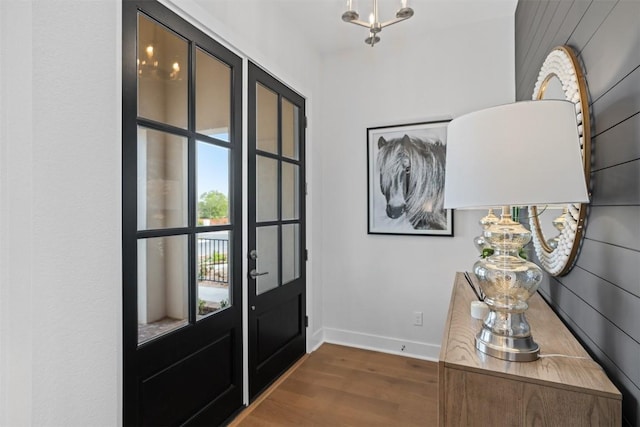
pixel 600 299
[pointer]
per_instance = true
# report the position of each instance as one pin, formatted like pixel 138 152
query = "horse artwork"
pixel 412 180
pixel 408 164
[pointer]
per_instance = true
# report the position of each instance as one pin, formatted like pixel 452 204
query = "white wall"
pixel 60 257
pixel 372 284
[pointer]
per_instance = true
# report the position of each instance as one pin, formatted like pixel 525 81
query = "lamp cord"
pixel 563 355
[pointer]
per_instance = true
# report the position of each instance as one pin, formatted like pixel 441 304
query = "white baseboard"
pixel 415 349
pixel 315 341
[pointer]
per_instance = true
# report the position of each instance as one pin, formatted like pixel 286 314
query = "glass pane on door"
pixel 162 74
pixel 212 184
pixel 290 191
pixel 162 286
pixel 213 96
pixel 266 189
pixel 266 120
pixel 162 180
pixel 290 252
pixel 267 261
pixel 290 130
pixel 212 269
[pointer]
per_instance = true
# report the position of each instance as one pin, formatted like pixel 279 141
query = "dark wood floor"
pixel 344 386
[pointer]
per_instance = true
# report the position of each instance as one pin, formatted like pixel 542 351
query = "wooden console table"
pixel 567 388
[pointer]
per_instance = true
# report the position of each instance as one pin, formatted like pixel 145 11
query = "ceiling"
pixel 319 21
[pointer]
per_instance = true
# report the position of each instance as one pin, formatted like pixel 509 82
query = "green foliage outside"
pixel 206 263
pixel 204 309
pixel 217 258
pixel 213 204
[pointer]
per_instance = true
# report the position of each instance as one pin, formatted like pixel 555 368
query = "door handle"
pixel 253 273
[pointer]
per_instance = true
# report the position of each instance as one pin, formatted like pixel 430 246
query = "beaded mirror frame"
pixel 558 255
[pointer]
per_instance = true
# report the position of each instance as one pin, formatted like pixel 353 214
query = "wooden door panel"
pixel 174 394
pixel 269 370
pixel 278 326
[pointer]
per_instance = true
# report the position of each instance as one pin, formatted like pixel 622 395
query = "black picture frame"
pixel 408 199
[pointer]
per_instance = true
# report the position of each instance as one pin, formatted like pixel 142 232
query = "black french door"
pixel 277 272
pixel 182 221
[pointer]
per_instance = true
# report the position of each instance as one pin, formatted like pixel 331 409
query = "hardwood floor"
pixel 344 386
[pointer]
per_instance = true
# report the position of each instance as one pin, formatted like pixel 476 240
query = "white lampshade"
pixel 526 153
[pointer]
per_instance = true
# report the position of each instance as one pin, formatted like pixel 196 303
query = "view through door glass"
pixel 181 221
pixel 276 228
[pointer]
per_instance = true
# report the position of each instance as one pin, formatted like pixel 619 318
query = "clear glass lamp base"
pixel 506 336
pixel 508 281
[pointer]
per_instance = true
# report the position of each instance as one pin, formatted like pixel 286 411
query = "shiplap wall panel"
pixel 578 9
pixel 529 26
pixel 619 307
pixel 524 21
pixel 600 298
pixel 617 144
pixel 613 51
pixel 531 55
pixel 617 225
pixel 593 18
pixel 540 50
pixel 623 350
pixel 631 405
pixel 547 11
pixel 613 263
pixel 527 76
pixel 619 185
pixel 618 103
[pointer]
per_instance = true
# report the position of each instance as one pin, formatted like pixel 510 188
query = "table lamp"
pixel 506 156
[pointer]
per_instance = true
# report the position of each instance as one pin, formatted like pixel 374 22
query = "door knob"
pixel 253 273
pixel 253 254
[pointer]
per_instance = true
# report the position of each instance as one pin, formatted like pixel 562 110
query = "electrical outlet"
pixel 417 318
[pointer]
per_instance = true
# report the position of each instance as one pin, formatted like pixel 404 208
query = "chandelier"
pixel 374 25
pixel 150 66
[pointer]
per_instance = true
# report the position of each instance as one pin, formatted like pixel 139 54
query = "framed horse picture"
pixel 405 169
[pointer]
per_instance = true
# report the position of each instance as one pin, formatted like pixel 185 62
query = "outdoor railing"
pixel 213 260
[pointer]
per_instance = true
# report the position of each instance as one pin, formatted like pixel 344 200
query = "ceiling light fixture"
pixel 150 66
pixel 374 25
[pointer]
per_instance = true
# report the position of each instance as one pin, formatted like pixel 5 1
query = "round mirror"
pixel 557 230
